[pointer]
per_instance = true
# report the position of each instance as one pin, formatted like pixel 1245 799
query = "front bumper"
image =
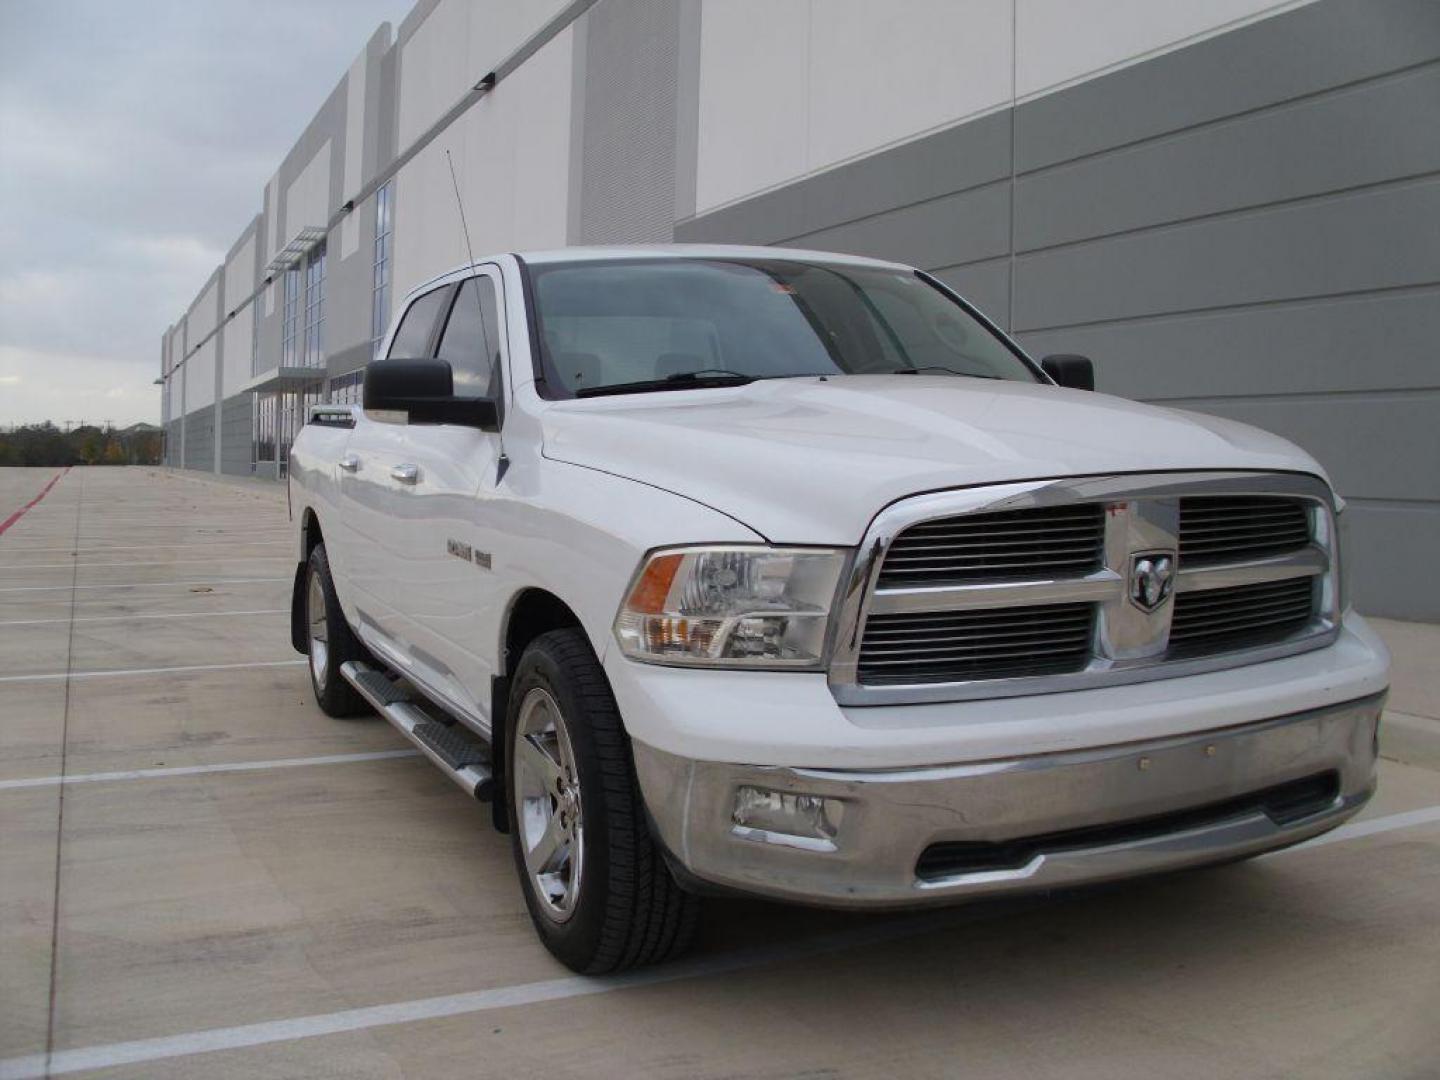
pixel 1025 823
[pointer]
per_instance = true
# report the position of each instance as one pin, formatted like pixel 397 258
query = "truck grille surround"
pixel 1055 585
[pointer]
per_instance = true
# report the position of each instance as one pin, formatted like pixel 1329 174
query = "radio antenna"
pixel 461 205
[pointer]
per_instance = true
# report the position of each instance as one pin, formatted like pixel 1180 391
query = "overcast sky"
pixel 136 137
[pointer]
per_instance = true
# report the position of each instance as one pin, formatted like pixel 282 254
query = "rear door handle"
pixel 350 463
pixel 406 474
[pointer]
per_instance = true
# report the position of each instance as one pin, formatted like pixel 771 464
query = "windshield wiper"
pixel 947 370
pixel 684 380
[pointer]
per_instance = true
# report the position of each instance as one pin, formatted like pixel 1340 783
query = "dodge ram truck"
pixel 725 570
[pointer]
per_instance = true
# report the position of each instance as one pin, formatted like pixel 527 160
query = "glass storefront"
pixel 277 419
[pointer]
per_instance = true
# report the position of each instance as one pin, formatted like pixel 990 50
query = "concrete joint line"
pixel 141 584
pixel 196 770
pixel 56 676
pixel 268 1032
pixel 164 615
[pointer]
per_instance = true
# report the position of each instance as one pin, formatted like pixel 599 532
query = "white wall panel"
pixel 1064 40
pixel 753 97
pixel 307 199
pixel 880 73
pixel 457 45
pixel 511 154
pixel 499 27
pixel 354 149
pixel 791 87
pixel 240 274
pixel 202 315
pixel 238 333
pixel 434 72
pixel 172 387
pixel 538 96
pixel 428 239
pixel 200 378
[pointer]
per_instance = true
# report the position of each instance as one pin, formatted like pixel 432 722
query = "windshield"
pixel 634 325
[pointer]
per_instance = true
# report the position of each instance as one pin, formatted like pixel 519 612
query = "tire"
pixel 612 903
pixel 336 644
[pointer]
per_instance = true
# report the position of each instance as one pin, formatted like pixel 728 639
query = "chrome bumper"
pixel 1065 819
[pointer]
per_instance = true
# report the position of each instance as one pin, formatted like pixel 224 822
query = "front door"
pixel 444 570
pixel 377 506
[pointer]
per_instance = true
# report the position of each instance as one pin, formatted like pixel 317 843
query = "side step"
pixel 464 759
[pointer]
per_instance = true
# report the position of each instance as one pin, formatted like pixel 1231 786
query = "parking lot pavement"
pixel 248 888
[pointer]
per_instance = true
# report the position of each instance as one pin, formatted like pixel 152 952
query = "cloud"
pixel 135 143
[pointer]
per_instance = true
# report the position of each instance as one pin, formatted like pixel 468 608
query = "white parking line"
pixel 504 997
pixel 128 618
pixel 194 770
pixel 141 584
pixel 51 676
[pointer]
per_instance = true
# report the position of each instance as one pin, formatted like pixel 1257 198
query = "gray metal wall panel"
pixel 956 160
pixel 200 440
pixel 627 166
pixel 1345 139
pixel 1380 341
pixel 1387 543
pixel 951 230
pixel 1374 446
pixel 1248 226
pixel 1374 239
pixel 235 435
pixel 1288 56
pixel 984 284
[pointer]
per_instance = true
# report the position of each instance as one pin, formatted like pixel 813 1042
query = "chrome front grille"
pixel 996 547
pixel 1220 528
pixel 1054 585
pixel 1218 620
pixel 951 645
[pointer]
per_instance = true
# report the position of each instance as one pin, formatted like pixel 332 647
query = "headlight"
pixel 751 607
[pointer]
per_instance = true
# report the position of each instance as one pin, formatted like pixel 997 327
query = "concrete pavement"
pixel 356 916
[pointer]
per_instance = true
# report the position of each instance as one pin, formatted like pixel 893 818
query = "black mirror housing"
pixel 424 389
pixel 1069 369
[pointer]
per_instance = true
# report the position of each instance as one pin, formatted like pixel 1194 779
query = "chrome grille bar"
pixel 941 605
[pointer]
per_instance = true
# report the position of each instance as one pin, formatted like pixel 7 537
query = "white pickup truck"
pixel 781 573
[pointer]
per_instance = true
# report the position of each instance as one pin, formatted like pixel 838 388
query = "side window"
pixel 471 340
pixel 412 340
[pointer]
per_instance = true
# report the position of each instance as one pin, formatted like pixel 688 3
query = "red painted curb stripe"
pixel 18 514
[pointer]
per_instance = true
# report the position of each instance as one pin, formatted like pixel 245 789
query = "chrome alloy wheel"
pixel 319 631
pixel 548 809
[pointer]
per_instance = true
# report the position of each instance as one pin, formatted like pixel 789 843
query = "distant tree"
pixel 92 444
pixel 45 444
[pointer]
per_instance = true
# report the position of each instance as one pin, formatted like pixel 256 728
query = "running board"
pixel 463 759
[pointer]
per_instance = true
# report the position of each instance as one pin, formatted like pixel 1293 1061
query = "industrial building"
pixel 1233 207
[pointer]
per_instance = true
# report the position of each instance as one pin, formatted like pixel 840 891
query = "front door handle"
pixel 406 474
pixel 350 463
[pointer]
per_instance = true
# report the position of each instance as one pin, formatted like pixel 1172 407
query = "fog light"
pixel 809 821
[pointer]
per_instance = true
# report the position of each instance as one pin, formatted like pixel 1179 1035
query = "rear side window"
pixel 412 340
pixel 471 342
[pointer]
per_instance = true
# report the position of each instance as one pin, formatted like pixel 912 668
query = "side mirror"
pixel 1067 369
pixel 424 390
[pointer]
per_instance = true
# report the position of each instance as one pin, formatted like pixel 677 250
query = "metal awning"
pixel 298 247
pixel 285 378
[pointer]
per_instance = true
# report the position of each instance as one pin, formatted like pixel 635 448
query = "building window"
pixel 346 389
pixel 384 253
pixel 315 308
pixel 290 317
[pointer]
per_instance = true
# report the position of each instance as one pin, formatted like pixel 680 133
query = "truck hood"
pixel 811 461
